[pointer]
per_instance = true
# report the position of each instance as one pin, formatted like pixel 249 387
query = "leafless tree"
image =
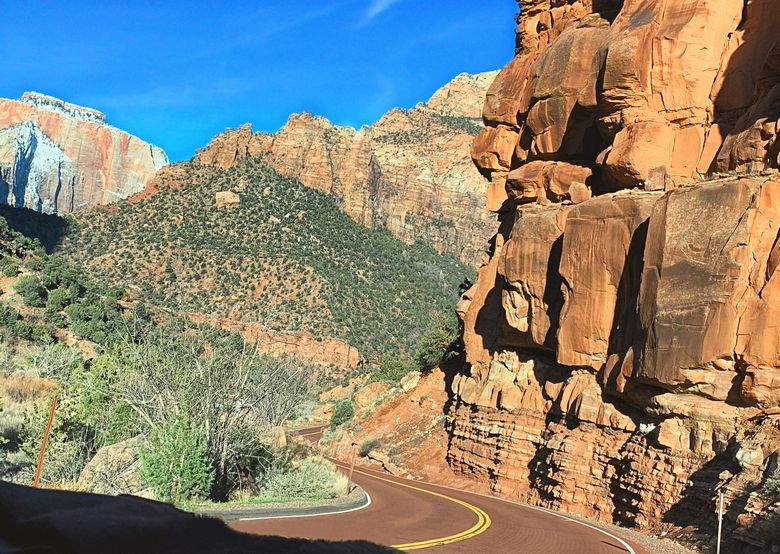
pixel 218 380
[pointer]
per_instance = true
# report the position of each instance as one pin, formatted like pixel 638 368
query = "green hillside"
pixel 286 258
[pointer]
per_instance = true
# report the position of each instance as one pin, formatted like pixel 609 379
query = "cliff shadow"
pixel 491 315
pixel 553 291
pixel 627 334
pixel 750 87
pixel 47 229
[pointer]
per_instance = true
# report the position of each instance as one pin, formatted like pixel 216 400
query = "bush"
pixel 8 316
pixel 59 299
pixel 70 445
pixel 32 291
pixel 175 462
pixel 367 446
pixel 391 369
pixel 9 267
pixel 436 341
pixel 312 479
pixel 343 412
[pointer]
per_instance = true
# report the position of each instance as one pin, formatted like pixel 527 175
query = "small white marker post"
pixel 720 518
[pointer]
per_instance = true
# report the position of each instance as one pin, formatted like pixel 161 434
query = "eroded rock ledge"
pixel 622 337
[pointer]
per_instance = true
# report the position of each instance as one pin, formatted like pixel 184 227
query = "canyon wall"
pixel 57 157
pixel 410 172
pixel 622 336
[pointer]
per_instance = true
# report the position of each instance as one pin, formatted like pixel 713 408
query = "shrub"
pixel 312 479
pixel 175 462
pixel 343 412
pixel 436 341
pixel 9 267
pixel 8 316
pixel 59 299
pixel 229 388
pixel 21 386
pixel 31 290
pixel 391 369
pixel 70 445
pixel 367 446
pixel 34 264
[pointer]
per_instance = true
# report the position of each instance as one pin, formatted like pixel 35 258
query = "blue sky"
pixel 177 72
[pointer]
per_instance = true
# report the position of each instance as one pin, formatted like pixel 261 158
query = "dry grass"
pixel 21 386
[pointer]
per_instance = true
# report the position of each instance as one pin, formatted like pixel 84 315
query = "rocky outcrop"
pixel 227 199
pixel 409 172
pixel 622 344
pixel 326 351
pixel 57 157
pixel 637 94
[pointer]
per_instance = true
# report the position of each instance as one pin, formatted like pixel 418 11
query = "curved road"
pixel 411 515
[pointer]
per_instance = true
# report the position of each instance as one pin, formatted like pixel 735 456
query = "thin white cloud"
pixel 375 9
pixel 174 96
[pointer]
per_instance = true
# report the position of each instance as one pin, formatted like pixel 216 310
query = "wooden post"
pixel 351 469
pixel 720 518
pixel 46 432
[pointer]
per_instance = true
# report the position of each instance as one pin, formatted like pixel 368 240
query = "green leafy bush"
pixel 8 316
pixel 31 290
pixel 175 462
pixel 436 341
pixel 391 369
pixel 71 441
pixel 343 411
pixel 9 266
pixel 313 478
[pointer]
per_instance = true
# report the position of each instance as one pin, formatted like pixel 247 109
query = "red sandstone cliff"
pixel 409 172
pixel 622 336
pixel 57 157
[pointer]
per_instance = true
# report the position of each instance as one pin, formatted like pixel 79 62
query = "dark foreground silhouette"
pixel 48 521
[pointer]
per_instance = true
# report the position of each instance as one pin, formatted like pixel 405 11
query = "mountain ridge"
pixel 409 172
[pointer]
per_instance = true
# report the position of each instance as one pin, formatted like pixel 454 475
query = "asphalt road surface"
pixel 411 515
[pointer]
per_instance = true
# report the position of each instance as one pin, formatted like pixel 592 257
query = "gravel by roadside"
pixel 656 545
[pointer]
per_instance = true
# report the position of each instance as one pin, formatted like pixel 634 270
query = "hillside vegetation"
pixel 133 389
pixel 286 258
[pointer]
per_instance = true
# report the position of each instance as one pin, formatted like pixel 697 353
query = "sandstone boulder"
pixel 410 380
pixel 227 199
pixel 114 470
pixel 367 397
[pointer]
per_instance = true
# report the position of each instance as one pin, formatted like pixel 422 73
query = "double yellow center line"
pixel 483 520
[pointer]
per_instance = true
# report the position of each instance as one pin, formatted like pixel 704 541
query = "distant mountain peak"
pixel 46 102
pixel 57 157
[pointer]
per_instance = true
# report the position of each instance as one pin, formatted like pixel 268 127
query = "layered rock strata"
pixel 622 336
pixel 409 172
pixel 57 157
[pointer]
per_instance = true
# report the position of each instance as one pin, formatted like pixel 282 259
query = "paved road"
pixel 411 515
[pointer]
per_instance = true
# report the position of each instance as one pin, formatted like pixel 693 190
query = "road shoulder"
pixel 357 499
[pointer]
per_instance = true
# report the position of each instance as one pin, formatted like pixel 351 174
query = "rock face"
pixel 227 199
pixel 622 337
pixel 114 470
pixel 643 94
pixel 57 157
pixel 325 351
pixel 409 172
